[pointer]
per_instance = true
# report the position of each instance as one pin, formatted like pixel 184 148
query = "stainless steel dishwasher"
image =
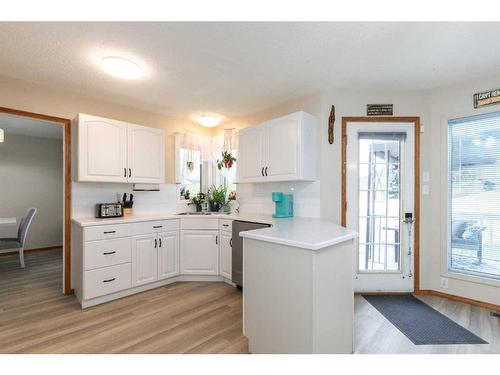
pixel 241 226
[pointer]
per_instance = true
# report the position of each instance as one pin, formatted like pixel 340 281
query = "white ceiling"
pixel 240 68
pixel 30 127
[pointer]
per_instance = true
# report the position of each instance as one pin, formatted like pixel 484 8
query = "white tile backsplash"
pixel 86 194
pixel 256 198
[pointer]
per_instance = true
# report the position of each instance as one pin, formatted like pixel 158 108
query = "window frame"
pixel 446 204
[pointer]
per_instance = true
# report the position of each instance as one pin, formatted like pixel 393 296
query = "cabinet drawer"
pixel 148 227
pixel 200 223
pixel 107 280
pixel 105 253
pixel 226 225
pixel 103 232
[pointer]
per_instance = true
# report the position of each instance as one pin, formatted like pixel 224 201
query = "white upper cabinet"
pixel 282 149
pixel 251 159
pixel 146 154
pixel 115 151
pixel 102 149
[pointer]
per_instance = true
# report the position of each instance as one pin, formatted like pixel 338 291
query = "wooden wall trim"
pixel 416 198
pixel 67 184
pixel 34 249
pixel 470 301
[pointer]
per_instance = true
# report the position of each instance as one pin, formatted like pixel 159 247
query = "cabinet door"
pixel 146 154
pixel 102 149
pixel 282 149
pixel 168 255
pixel 251 161
pixel 144 259
pixel 225 255
pixel 199 252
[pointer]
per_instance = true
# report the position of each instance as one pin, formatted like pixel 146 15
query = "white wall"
pixel 86 194
pixel 31 175
pixel 447 103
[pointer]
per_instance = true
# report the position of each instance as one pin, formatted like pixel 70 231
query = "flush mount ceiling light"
pixel 121 68
pixel 208 121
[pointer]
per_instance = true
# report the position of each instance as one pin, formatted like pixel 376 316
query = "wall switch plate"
pixel 422 128
pixel 444 283
pixel 425 189
pixel 425 177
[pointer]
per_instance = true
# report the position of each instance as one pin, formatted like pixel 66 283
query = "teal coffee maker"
pixel 284 204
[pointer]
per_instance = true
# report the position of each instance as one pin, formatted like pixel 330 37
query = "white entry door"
pixel 380 186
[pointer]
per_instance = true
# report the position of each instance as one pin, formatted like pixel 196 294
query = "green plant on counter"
pixel 198 200
pixel 217 197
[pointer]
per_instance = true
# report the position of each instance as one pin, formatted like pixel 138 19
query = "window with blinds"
pixel 474 195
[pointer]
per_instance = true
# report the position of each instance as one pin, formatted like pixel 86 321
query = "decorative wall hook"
pixel 331 123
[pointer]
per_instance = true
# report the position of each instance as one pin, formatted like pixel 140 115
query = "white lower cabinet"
pixel 114 260
pixel 225 255
pixel 168 255
pixel 200 252
pixel 144 259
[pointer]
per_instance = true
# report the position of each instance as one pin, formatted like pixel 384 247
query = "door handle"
pixel 262 171
pixel 109 253
pixel 266 171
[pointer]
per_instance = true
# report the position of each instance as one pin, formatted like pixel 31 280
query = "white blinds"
pixel 474 195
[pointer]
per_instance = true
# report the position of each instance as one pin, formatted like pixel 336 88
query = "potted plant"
pixel 217 198
pixel 227 160
pixel 198 200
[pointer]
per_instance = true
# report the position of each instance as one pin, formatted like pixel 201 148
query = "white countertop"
pixel 305 233
pixel 92 221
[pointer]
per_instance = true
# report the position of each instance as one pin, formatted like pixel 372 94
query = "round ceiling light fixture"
pixel 121 68
pixel 208 121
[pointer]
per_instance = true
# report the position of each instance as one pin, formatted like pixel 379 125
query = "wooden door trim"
pixel 416 199
pixel 67 184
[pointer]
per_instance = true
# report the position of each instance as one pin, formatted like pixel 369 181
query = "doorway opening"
pixel 380 200
pixel 43 168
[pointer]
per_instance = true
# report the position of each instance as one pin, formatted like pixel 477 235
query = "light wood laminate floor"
pixel 180 318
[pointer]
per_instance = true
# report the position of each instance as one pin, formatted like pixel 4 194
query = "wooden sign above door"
pixel 379 109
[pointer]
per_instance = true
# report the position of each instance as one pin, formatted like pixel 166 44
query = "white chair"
pixel 22 233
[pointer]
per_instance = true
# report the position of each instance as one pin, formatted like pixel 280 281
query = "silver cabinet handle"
pixel 109 253
pixel 109 280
